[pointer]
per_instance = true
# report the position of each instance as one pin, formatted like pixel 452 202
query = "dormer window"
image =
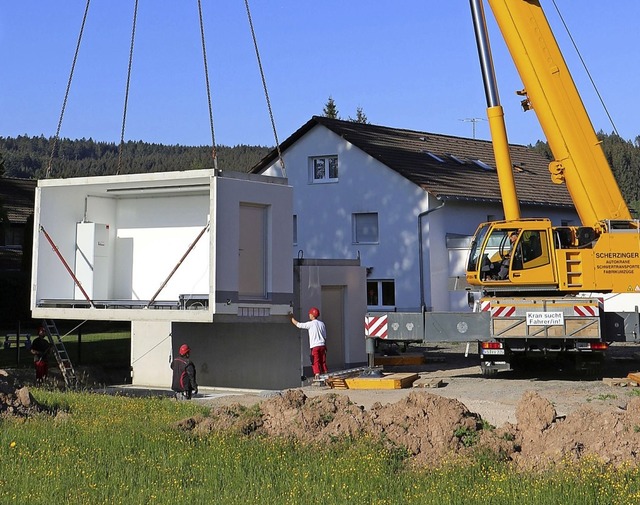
pixel 323 169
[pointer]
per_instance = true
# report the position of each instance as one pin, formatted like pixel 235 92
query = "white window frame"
pixel 357 230
pixel 326 173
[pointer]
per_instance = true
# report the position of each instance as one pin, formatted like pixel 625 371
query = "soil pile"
pixel 16 401
pixel 542 439
pixel 433 428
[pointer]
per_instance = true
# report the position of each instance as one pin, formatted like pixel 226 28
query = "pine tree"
pixel 330 110
pixel 361 117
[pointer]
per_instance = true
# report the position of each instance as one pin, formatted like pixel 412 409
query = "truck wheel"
pixel 591 368
pixel 488 372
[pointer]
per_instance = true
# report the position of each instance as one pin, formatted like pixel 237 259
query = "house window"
pixel 324 169
pixel 365 228
pixel 381 293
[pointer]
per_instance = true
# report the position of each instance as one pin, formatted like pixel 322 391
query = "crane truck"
pixel 547 286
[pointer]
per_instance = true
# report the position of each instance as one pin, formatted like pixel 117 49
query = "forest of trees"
pixel 624 158
pixel 28 157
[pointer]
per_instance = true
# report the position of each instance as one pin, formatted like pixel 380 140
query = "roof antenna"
pixel 473 120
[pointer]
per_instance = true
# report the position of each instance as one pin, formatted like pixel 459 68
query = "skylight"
pixel 483 165
pixel 435 156
pixel 459 160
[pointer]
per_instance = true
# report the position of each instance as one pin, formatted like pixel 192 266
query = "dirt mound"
pixel 429 427
pixel 610 437
pixel 16 401
pixel 432 428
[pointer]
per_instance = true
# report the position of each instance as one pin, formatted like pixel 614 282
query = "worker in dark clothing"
pixel 40 349
pixel 184 375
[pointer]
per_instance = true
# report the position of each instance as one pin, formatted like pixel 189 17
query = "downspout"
pixel 421 253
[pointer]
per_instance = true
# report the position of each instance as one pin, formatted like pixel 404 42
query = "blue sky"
pixel 408 63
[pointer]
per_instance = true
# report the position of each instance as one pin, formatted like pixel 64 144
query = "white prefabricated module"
pixel 173 246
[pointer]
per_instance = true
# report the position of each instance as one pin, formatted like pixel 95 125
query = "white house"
pixel 404 202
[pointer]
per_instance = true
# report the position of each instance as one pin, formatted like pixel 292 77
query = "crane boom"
pixel 550 91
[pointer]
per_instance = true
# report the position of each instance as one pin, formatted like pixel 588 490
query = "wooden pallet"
pixel 337 383
pixel 387 381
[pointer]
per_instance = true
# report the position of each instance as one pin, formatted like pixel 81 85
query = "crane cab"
pixel 506 254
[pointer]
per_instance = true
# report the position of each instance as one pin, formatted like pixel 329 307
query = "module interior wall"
pixel 148 236
pixel 152 236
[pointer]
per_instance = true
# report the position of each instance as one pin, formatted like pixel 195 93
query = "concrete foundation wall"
pixel 255 355
pixel 150 353
pixel 310 277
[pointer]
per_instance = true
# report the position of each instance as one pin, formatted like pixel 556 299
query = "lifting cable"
pixel 584 65
pixel 214 153
pixel 126 93
pixel 264 85
pixel 66 95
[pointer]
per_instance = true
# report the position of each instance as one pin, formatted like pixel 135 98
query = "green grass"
pixel 100 344
pixel 125 450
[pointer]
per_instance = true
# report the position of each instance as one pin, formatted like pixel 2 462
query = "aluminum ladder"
pixel 60 352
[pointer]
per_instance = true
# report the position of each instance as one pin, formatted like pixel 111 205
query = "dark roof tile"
pixel 407 152
pixel 17 197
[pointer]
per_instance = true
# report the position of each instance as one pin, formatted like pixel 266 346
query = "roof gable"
pixel 450 168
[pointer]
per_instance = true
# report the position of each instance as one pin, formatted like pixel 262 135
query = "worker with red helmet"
pixel 317 341
pixel 40 348
pixel 184 375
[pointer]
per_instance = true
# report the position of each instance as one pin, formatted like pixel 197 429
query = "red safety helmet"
pixel 314 312
pixel 184 350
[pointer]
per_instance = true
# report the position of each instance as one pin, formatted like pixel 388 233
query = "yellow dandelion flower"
pixel 12 444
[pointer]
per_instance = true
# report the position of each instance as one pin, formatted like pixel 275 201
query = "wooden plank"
pixel 619 382
pixel 404 359
pixel 387 381
pixel 634 376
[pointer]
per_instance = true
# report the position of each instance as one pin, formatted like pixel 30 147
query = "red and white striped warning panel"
pixel 485 305
pixel 503 311
pixel 375 326
pixel 585 310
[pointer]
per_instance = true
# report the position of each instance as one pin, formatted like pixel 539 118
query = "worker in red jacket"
pixel 184 375
pixel 40 349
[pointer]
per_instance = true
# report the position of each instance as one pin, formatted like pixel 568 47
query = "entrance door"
pixel 252 264
pixel 332 298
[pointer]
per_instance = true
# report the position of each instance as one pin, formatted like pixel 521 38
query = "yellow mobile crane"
pixel 531 272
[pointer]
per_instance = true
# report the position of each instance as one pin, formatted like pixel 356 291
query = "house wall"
pixel 325 221
pixel 325 211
